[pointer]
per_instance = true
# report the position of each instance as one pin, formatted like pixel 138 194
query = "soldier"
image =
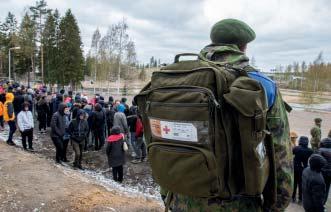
pixel 229 42
pixel 316 134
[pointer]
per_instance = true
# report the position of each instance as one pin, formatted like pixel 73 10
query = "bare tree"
pixel 94 47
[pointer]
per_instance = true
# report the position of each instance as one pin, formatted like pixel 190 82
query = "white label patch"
pixel 181 131
pixel 260 149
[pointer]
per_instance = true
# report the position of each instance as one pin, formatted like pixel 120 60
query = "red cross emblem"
pixel 166 129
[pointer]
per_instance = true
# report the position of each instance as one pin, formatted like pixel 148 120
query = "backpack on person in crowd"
pixel 139 127
pixel 205 126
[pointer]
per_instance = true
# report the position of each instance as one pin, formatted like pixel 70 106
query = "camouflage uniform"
pixel 316 135
pixel 277 123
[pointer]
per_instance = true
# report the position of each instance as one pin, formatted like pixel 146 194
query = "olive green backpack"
pixel 205 126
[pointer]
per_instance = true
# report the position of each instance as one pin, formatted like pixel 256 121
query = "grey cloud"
pixel 164 28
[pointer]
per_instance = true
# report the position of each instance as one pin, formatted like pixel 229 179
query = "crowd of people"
pixel 312 168
pixel 85 123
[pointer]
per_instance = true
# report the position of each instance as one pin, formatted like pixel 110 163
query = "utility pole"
pixel 95 67
pixel 9 61
pixel 41 49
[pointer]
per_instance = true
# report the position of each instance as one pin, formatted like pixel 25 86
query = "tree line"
pixel 47 44
pixel 113 55
pixel 311 77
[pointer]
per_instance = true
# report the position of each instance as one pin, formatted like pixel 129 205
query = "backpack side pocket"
pixel 247 96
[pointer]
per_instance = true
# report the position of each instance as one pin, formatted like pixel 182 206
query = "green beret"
pixel 318 120
pixel 231 31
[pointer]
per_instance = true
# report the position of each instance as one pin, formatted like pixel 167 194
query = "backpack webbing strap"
pixel 168 199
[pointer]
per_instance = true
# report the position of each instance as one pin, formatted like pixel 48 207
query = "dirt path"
pixel 303 121
pixel 29 182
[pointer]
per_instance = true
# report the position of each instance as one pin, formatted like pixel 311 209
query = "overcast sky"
pixel 287 31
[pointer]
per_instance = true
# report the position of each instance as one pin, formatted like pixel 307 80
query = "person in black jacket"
pixel 110 112
pixel 111 101
pixel 56 102
pixel 42 110
pixel 98 126
pixel 300 161
pixel 18 101
pixel 50 106
pixel 115 153
pixel 58 127
pixel 325 151
pixel 78 130
pixel 313 186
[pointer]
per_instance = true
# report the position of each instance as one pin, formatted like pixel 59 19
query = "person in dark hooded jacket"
pixel 58 129
pixel 42 110
pixel 110 112
pixel 18 101
pixel 325 151
pixel 78 130
pixel 98 126
pixel 88 116
pixel 313 186
pixel 56 102
pixel 115 153
pixel 300 162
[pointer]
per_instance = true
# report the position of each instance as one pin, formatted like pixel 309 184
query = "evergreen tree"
pixel 39 14
pixel 71 67
pixel 8 38
pixel 303 66
pixel 27 34
pixel 296 68
pixel 2 47
pixel 151 62
pixel 9 27
pixel 50 43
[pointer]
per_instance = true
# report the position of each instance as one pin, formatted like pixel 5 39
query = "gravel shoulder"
pixel 30 182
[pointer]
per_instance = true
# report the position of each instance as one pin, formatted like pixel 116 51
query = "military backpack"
pixel 205 126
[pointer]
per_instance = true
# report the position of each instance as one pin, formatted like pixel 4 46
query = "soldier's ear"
pixel 243 47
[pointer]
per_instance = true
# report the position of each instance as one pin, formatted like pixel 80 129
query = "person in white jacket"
pixel 25 125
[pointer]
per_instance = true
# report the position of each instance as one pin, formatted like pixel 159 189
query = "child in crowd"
pixel 25 125
pixel 115 153
pixel 325 151
pixel 313 186
pixel 300 162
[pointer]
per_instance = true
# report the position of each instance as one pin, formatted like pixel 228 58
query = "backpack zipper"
pixel 171 104
pixel 185 88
